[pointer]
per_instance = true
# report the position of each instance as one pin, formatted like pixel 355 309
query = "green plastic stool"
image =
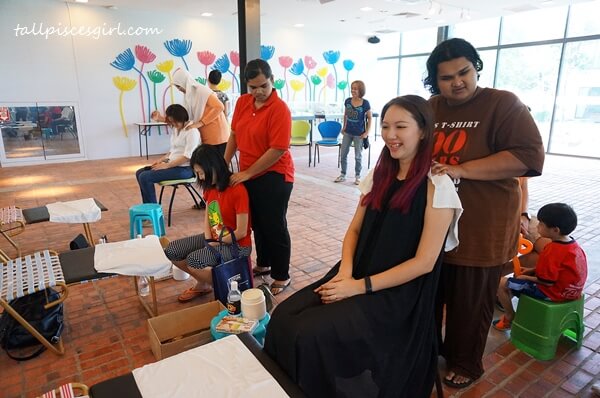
pixel 538 325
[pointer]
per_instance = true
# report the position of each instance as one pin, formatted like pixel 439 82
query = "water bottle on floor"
pixel 143 286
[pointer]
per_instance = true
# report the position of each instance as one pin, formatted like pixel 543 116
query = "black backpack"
pixel 49 322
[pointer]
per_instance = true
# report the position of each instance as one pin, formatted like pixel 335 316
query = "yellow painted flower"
pixel 296 85
pixel 322 72
pixel 224 85
pixel 166 66
pixel 124 83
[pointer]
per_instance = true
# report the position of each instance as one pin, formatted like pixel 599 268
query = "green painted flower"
pixel 201 80
pixel 342 85
pixel 155 76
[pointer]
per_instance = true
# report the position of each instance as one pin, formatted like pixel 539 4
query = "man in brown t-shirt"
pixel 485 138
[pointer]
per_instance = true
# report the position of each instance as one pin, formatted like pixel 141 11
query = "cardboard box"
pixel 182 330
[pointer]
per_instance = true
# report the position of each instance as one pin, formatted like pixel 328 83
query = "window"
pixel 387 86
pixel 486 76
pixel 420 41
pixel 388 46
pixel 576 129
pixel 412 73
pixel 583 19
pixel 545 24
pixel 482 33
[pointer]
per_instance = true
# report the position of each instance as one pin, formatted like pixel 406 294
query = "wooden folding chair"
pixel 68 391
pixel 27 275
pixel 11 223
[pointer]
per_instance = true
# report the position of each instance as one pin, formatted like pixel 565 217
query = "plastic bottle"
pixel 143 286
pixel 234 299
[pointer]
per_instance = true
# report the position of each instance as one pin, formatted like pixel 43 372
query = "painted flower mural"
pixel 285 63
pixel 155 77
pixel 348 66
pixel 125 61
pixel 222 64
pixel 332 57
pixel 144 55
pixel 166 67
pixel 266 52
pixel 123 84
pixel 206 58
pixel 179 48
pixel 296 85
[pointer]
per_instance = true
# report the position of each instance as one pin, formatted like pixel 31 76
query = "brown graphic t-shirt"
pixel 492 121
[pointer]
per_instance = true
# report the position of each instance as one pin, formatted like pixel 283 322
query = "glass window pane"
pixel 576 129
pixel 535 25
pixel 486 76
pixel 386 86
pixel 412 73
pixel 418 41
pixel 481 33
pixel 389 46
pixel 531 73
pixel 583 19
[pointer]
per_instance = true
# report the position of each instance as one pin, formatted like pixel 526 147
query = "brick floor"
pixel 105 328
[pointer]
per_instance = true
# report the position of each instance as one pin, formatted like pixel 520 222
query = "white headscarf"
pixel 196 95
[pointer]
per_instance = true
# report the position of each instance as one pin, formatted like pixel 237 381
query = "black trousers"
pixel 469 295
pixel 269 196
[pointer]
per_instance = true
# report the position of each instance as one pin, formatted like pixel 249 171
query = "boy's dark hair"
pixel 447 51
pixel 559 215
pixel 213 163
pixel 256 67
pixel 177 113
pixel 214 77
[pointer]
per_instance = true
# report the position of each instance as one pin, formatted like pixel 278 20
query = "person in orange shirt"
pixel 261 131
pixel 204 108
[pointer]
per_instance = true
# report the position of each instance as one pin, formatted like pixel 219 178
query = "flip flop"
pixel 451 383
pixel 278 286
pixel 191 293
pixel 259 271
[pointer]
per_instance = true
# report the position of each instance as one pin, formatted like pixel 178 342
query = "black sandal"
pixel 259 271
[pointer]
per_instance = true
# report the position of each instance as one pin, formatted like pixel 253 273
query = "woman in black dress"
pixel 367 328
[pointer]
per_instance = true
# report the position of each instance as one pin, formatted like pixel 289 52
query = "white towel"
pixel 74 212
pixel 444 197
pixel 224 368
pixel 132 257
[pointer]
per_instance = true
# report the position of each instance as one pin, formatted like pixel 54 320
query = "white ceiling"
pixel 344 16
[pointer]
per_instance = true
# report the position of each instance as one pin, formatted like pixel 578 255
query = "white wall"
pixel 77 68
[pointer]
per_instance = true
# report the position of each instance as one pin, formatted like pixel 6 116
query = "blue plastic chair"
pixel 146 211
pixel 330 133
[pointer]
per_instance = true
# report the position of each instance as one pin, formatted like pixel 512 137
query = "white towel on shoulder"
pixel 141 257
pixel 444 196
pixel 74 212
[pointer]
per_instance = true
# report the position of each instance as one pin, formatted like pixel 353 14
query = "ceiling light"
pixel 366 9
pixel 207 14
pixel 299 25
pixel 81 1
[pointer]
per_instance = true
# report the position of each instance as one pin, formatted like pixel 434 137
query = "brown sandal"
pixel 191 293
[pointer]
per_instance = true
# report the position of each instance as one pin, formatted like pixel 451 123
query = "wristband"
pixel 368 286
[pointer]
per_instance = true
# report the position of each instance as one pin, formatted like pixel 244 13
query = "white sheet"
pixel 444 196
pixel 132 257
pixel 74 212
pixel 224 368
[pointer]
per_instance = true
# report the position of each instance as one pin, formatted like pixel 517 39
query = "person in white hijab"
pixel 204 109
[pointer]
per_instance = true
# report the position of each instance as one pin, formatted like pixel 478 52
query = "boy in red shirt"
pixel 560 271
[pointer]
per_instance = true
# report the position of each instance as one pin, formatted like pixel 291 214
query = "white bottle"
pixel 143 286
pixel 234 299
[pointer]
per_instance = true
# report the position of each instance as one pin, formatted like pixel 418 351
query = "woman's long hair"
pixel 387 168
pixel 213 163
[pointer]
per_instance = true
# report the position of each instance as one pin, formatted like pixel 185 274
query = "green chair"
pixel 188 184
pixel 538 325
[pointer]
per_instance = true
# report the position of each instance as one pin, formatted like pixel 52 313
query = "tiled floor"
pixel 105 332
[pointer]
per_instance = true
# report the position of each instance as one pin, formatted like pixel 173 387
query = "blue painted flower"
pixel 297 68
pixel 331 57
pixel 179 48
pixel 222 64
pixel 348 64
pixel 266 52
pixel 124 61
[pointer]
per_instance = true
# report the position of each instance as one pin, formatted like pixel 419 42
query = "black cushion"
pixel 78 265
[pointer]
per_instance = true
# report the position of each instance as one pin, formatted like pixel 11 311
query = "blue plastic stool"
pixel 259 333
pixel 146 211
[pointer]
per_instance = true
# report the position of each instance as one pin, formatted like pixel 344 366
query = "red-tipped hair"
pixel 387 168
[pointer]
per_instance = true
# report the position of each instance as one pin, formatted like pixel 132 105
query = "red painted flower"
pixel 309 62
pixel 286 61
pixel 144 54
pixel 206 57
pixel 234 56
